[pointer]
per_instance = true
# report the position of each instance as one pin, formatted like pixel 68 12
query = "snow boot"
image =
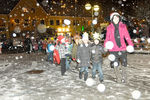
pixel 124 74
pixel 85 76
pixel 80 74
pixel 101 80
pixel 117 74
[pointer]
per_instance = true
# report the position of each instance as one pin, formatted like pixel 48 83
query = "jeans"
pixel 50 57
pixel 68 63
pixel 84 69
pixel 97 66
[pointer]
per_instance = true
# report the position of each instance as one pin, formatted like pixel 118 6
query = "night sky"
pixel 76 7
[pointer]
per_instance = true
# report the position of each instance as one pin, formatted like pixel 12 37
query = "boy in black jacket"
pixel 96 57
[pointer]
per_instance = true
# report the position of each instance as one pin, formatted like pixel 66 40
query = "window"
pixel 2 22
pixel 33 10
pixel 75 22
pixel 17 20
pixel 42 21
pixel 26 22
pixel 51 22
pixel 57 22
pixel 33 22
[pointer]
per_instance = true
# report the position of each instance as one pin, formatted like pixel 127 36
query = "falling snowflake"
pixel 148 40
pixel 130 49
pixel 37 4
pixel 116 64
pixel 17 29
pixel 67 22
pixel 111 57
pixel 41 28
pixel 134 31
pixel 32 37
pixel 109 45
pixel 143 39
pixel 93 51
pixel 17 58
pixel 52 48
pixel 14 35
pixel 90 82
pixel 135 40
pixel 101 87
pixel 21 57
pixel 13 80
pixel 136 94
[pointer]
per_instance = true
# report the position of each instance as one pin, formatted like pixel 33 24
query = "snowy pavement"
pixel 17 82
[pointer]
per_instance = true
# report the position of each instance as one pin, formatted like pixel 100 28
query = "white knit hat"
pixel 112 14
pixel 85 36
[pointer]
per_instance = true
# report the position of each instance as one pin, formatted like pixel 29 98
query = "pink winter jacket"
pixel 123 35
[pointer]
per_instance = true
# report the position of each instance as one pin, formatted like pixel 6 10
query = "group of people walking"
pixel 87 53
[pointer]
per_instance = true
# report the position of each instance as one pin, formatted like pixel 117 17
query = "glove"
pixel 78 61
pixel 73 59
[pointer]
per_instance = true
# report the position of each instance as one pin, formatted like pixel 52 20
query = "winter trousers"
pixel 120 71
pixel 120 56
pixel 63 66
pixel 85 70
pixel 50 57
pixel 97 66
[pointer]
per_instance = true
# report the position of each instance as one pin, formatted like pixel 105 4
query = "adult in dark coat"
pixel 27 44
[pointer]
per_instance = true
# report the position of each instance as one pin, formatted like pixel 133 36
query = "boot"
pixel 117 74
pixel 85 76
pixel 101 80
pixel 80 74
pixel 124 74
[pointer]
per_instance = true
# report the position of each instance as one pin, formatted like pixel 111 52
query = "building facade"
pixel 27 15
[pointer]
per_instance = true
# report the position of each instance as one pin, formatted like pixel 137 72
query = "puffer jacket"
pixel 96 53
pixel 83 55
pixel 124 35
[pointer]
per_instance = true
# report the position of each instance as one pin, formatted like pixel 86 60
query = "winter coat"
pixel 74 51
pixel 49 48
pixel 123 35
pixel 62 50
pixel 27 44
pixel 83 55
pixel 96 53
pixel 69 48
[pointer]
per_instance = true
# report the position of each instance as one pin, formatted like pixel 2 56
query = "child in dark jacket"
pixel 96 57
pixel 83 56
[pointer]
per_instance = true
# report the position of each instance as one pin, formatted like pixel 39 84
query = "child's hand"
pixel 73 59
pixel 106 50
pixel 78 61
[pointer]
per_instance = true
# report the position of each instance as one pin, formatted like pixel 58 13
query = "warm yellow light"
pixel 67 29
pixel 96 7
pixel 59 29
pixel 63 29
pixel 88 6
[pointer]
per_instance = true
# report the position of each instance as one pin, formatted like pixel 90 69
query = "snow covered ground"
pixel 17 84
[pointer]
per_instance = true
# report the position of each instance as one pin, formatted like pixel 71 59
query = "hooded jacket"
pixel 124 35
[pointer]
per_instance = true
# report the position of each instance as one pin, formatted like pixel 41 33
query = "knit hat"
pixel 85 36
pixel 96 36
pixel 60 39
pixel 113 14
